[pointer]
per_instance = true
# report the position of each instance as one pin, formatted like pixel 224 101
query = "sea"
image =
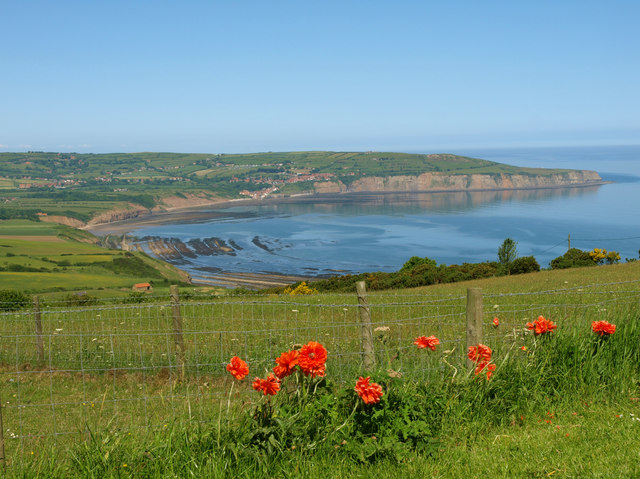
pixel 324 236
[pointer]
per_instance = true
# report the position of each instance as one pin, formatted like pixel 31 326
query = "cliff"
pixel 447 182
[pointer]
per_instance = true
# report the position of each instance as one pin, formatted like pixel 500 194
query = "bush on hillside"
pixel 573 258
pixel 524 264
pixel 11 300
pixel 80 299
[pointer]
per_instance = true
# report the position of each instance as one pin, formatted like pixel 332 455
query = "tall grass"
pixel 321 424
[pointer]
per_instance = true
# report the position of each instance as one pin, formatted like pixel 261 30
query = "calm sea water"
pixel 380 232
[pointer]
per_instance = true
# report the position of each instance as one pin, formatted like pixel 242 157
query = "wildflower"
pixel 312 358
pixel 496 322
pixel 238 368
pixel 369 393
pixel 286 363
pixel 479 354
pixel 524 348
pixel 603 328
pixel 541 326
pixel 423 342
pixel 269 386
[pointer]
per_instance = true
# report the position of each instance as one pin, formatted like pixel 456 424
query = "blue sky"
pixel 243 76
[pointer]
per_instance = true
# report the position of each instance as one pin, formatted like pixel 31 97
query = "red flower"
pixel 479 354
pixel 312 358
pixel 496 322
pixel 286 363
pixel 369 393
pixel 269 386
pixel 423 342
pixel 603 328
pixel 238 368
pixel 542 326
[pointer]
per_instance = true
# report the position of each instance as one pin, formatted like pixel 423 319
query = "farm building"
pixel 142 287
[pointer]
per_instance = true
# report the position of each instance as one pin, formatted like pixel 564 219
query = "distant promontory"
pixel 83 189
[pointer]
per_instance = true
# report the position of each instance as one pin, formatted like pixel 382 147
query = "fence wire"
pixel 65 371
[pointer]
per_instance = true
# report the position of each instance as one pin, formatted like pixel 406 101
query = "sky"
pixel 248 76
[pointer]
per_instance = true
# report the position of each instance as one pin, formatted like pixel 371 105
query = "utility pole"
pixel 569 242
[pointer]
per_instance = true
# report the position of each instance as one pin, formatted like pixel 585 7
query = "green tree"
pixel 507 253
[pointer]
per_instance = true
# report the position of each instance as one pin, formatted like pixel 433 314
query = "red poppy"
pixel 603 328
pixel 286 363
pixel 479 354
pixel 269 386
pixel 496 322
pixel 369 393
pixel 312 358
pixel 423 342
pixel 238 368
pixel 542 326
pixel 490 369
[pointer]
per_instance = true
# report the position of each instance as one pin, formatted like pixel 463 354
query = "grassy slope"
pixel 599 444
pixel 69 264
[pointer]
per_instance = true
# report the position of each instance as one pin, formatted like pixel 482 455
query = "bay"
pixel 379 232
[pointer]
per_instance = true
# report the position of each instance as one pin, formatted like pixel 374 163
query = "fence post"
pixel 368 357
pixel 177 327
pixel 38 321
pixel 474 320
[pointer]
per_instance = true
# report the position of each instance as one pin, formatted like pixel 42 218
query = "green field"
pixel 114 371
pixel 50 258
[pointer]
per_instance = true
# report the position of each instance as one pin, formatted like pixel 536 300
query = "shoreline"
pixel 198 211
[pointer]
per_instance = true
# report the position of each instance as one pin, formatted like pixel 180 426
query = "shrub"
pixel 80 299
pixel 11 300
pixel 524 264
pixel 572 258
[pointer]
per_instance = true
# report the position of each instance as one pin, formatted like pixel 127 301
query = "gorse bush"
pixel 572 258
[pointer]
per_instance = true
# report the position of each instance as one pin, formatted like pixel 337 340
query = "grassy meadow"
pixel 53 260
pixel 111 394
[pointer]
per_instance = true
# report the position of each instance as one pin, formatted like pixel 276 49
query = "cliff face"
pixel 119 214
pixel 444 182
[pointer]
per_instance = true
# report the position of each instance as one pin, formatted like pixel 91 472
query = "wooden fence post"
pixel 177 327
pixel 38 321
pixel 368 356
pixel 474 320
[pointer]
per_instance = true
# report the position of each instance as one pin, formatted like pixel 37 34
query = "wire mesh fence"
pixel 65 371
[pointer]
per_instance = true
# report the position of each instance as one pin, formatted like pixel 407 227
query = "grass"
pixel 114 370
pixel 64 259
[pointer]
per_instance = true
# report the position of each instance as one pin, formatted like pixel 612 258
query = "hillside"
pixel 40 257
pixel 108 187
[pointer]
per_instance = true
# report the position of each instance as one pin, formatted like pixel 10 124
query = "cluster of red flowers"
pixel 370 393
pixel 427 342
pixel 542 326
pixel 238 368
pixel 603 328
pixel 481 355
pixel 311 359
pixel 269 386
